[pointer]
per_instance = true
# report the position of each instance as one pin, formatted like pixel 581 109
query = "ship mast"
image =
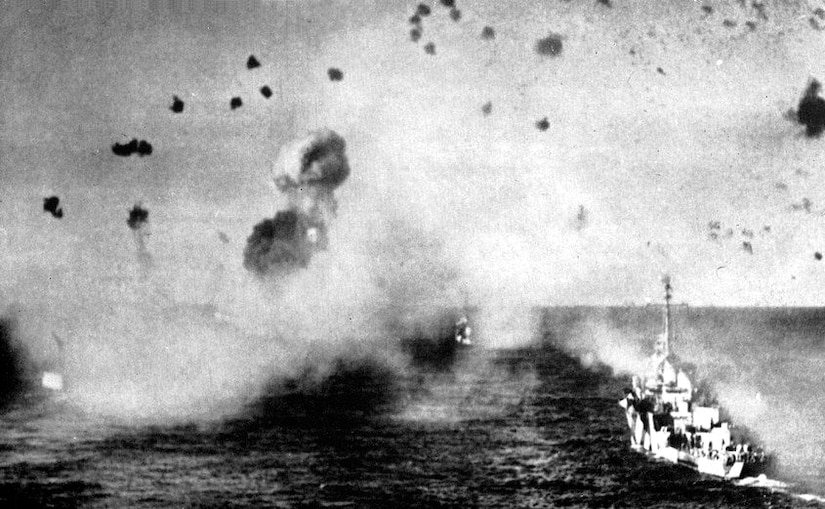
pixel 668 334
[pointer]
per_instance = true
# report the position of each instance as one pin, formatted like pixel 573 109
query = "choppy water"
pixel 519 428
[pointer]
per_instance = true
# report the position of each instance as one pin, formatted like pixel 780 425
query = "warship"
pixel 669 421
pixel 439 342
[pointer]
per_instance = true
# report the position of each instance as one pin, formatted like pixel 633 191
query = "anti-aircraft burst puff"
pixel 138 222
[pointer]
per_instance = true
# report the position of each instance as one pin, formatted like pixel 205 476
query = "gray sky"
pixel 652 157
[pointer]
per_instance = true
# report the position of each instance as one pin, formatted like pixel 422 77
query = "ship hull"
pixel 714 467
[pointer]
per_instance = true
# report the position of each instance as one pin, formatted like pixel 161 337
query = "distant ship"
pixel 463 332
pixel 667 421
pixel 437 344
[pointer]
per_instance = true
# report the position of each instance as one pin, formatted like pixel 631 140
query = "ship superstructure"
pixel 667 421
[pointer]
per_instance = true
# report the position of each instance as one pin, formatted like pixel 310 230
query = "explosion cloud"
pixel 322 164
pixel 278 242
pixel 307 178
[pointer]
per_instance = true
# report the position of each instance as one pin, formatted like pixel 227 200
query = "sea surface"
pixel 533 426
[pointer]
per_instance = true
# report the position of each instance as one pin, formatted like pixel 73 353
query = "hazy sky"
pixel 661 120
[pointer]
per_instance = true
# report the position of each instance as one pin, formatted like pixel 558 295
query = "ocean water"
pixel 536 426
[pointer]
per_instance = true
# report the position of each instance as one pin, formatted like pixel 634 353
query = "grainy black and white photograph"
pixel 395 253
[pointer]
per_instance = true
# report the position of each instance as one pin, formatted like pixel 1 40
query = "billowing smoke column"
pixel 811 110
pixel 138 222
pixel 307 176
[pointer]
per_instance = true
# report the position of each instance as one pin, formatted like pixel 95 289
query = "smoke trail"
pixel 307 175
pixel 138 222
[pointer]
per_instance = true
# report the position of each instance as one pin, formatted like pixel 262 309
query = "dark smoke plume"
pixel 811 110
pixel 141 148
pixel 351 390
pixel 177 105
pixel 52 206
pixel 278 242
pixel 308 179
pixel 550 45
pixel 138 222
pixel 322 164
pixel 335 74
pixel 138 216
